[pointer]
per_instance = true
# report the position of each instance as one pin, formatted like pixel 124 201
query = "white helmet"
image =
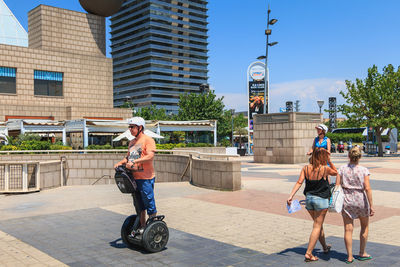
pixel 322 127
pixel 139 121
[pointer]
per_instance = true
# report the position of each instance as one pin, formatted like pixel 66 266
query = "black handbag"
pixel 124 180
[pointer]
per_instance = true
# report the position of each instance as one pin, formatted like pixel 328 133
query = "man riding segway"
pixel 139 161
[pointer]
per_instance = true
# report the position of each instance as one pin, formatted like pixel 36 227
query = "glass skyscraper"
pixel 159 50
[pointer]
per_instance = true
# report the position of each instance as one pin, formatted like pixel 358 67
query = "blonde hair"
pixel 355 154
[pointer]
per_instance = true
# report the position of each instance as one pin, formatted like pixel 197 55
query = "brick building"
pixel 63 74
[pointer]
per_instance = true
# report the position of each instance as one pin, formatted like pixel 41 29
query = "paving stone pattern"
pixel 91 238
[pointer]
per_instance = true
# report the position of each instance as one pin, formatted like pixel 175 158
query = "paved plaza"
pixel 80 225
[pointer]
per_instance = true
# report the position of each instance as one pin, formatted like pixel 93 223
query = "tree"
pixel 224 126
pixel 204 106
pixel 153 113
pixel 239 125
pixel 374 101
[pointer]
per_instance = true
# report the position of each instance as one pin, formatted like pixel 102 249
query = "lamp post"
pixel 232 113
pixel 268 32
pixel 320 104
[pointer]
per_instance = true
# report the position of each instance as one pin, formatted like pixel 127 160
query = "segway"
pixel 155 235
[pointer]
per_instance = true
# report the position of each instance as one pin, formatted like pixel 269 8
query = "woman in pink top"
pixel 354 180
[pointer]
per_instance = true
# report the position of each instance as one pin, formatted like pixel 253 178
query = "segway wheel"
pixel 155 237
pixel 126 230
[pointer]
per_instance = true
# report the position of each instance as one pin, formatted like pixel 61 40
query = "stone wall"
pixel 50 175
pixel 61 41
pixel 284 137
pixel 171 168
pixel 212 150
pixel 97 168
pixel 221 175
pixel 57 29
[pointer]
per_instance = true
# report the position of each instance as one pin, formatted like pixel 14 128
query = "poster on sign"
pixel 256 98
pixel 256 91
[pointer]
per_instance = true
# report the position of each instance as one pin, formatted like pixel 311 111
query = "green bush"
pixel 8 148
pixel 99 147
pixel 34 145
pixel 226 143
pixel 27 137
pixel 180 145
pixel 355 137
pixel 59 147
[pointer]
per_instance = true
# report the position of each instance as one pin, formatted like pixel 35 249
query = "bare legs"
pixel 364 222
pixel 317 233
pixel 348 235
pixel 143 218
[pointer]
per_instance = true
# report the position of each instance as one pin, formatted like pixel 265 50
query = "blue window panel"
pixel 48 75
pixel 7 72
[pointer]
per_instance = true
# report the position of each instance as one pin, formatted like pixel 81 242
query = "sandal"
pixel 327 249
pixel 310 259
pixel 349 262
pixel 364 258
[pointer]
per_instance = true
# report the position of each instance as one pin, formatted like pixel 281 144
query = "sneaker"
pixel 139 231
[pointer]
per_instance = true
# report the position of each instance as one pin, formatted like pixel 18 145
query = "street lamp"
pixel 268 32
pixel 232 113
pixel 320 104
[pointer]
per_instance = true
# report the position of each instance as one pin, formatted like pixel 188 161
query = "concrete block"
pixel 227 181
pixel 90 173
pixel 85 164
pixel 75 163
pixel 98 173
pixel 85 181
pixel 216 182
pixel 102 162
pixel 237 181
pixel 81 173
pixel 93 163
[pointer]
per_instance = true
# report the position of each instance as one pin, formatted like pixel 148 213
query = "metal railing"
pixel 199 155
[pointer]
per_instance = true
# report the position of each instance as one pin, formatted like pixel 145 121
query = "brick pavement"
pixel 79 226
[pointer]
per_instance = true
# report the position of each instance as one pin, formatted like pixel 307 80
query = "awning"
pixel 127 135
pixel 385 132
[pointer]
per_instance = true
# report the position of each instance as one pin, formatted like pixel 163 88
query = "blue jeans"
pixel 316 202
pixel 144 196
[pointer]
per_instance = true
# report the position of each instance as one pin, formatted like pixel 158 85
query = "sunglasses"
pixel 131 126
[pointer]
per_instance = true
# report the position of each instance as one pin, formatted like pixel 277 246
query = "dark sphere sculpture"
pixel 102 8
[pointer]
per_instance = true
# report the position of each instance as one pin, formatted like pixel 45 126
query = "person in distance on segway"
pixel 139 160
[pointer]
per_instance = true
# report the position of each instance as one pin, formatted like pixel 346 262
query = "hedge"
pixel 34 145
pixel 355 137
pixel 158 146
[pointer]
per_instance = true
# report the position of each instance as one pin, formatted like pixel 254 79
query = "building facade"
pixel 63 74
pixel 159 50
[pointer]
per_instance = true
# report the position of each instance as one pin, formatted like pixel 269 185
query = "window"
pixel 7 80
pixel 48 83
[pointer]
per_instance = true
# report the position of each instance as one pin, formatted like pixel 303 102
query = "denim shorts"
pixel 316 202
pixel 144 196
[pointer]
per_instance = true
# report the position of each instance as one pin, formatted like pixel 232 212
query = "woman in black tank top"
pixel 317 196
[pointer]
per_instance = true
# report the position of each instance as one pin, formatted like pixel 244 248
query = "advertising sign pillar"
pixel 257 95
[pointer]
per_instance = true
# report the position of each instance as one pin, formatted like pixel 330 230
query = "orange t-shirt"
pixel 138 148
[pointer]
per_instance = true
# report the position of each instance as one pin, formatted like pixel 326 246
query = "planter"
pixel 241 151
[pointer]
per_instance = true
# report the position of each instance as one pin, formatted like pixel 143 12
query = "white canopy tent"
pixel 104 127
pixel 127 135
pixel 41 127
pixel 184 126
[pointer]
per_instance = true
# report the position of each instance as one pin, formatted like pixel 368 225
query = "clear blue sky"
pixel 321 44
